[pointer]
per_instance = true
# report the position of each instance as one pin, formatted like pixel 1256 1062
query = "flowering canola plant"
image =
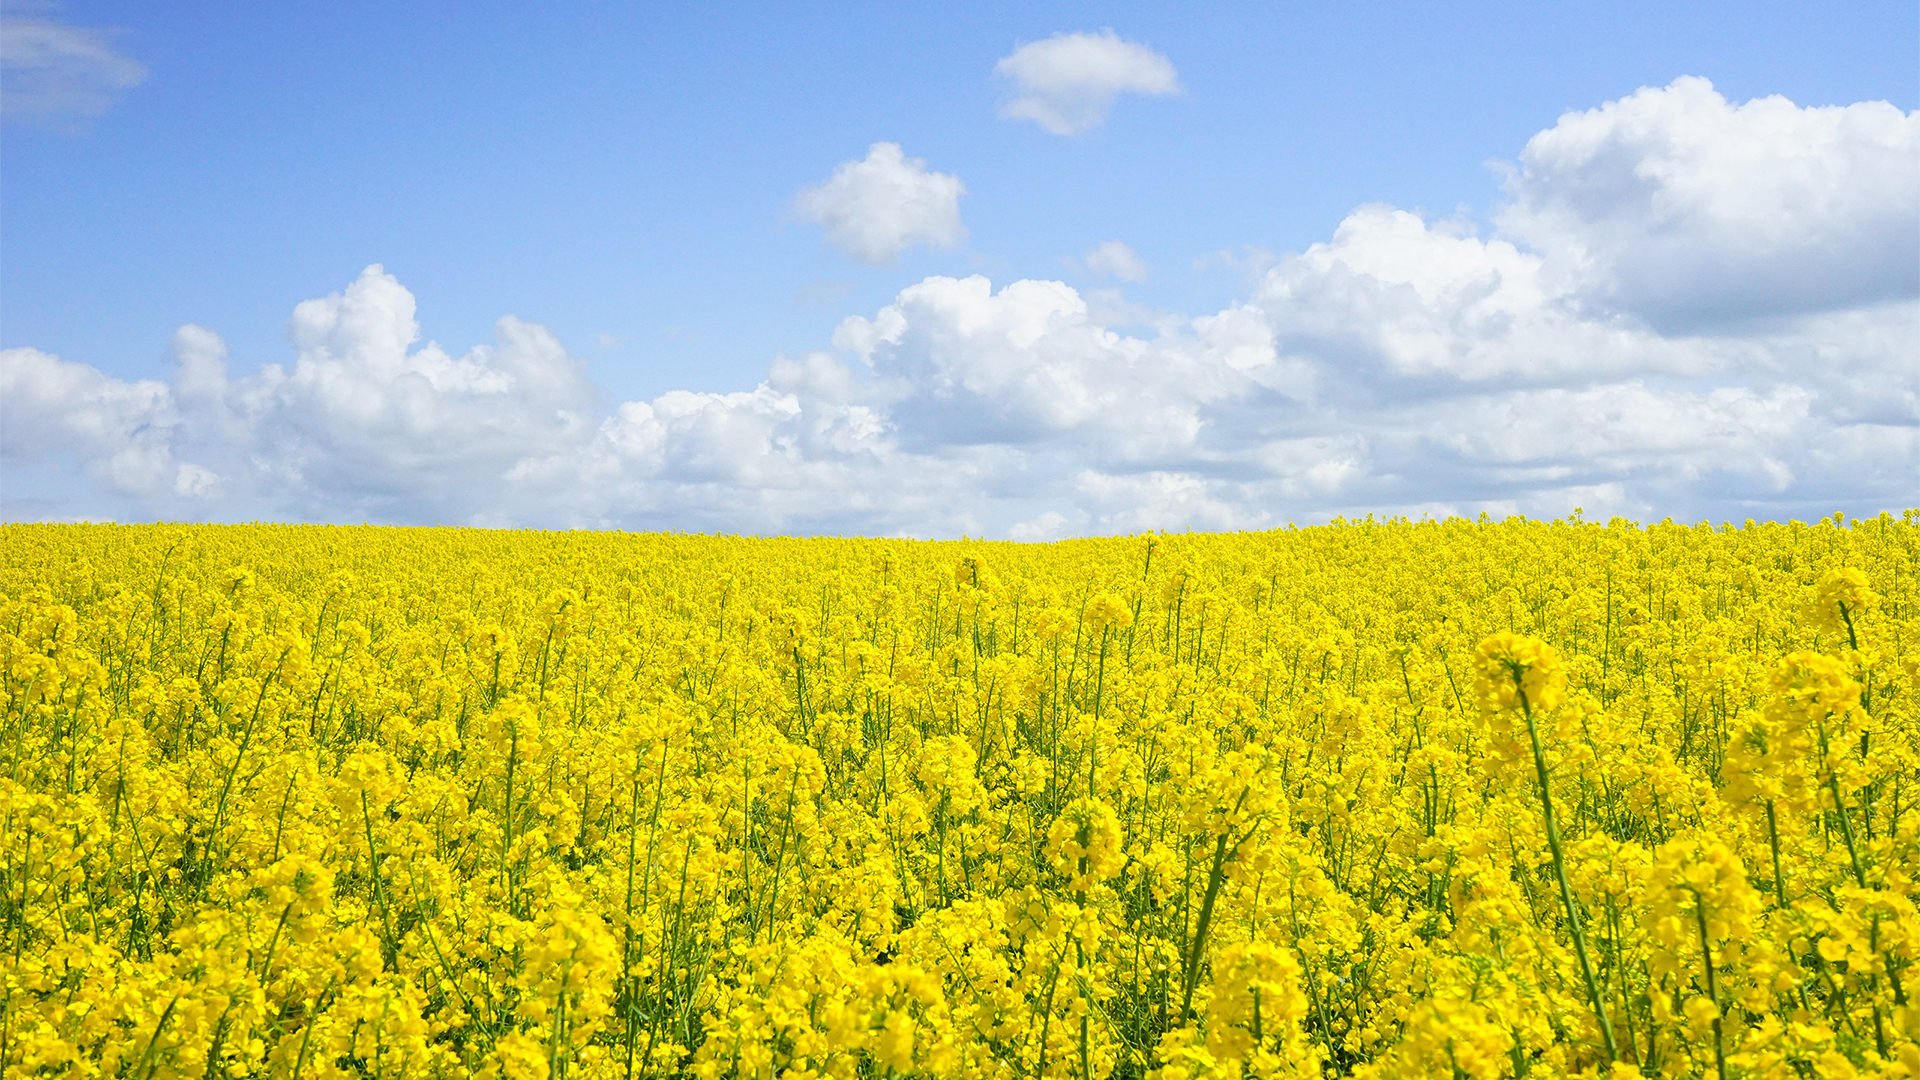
pixel 1379 799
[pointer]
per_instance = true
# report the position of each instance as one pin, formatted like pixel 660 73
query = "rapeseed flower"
pixel 1383 798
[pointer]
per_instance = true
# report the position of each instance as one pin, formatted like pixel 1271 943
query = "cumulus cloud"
pixel 1403 365
pixel 123 431
pixel 56 74
pixel 1689 211
pixel 360 425
pixel 1395 302
pixel 1115 259
pixel 875 208
pixel 1068 82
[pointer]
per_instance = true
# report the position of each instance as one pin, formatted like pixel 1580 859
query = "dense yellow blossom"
pixel 1383 799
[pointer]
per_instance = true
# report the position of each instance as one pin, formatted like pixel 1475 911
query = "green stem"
pixel 1713 989
pixel 1560 877
pixel 1216 877
pixel 379 892
pixel 146 1059
pixel 1773 840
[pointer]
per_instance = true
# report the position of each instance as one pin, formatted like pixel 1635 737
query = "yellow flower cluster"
pixel 1379 799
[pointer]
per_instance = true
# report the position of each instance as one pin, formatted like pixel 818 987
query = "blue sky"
pixel 627 177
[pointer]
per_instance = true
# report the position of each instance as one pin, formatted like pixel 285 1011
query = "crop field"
pixel 1385 799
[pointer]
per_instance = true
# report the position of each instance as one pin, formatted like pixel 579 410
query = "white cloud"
pixel 1402 365
pixel 1680 207
pixel 1393 297
pixel 1067 83
pixel 357 426
pixel 52 73
pixel 1164 499
pixel 122 431
pixel 876 208
pixel 1050 525
pixel 1115 259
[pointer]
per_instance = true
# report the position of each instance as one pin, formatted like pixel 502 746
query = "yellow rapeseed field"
pixel 1383 799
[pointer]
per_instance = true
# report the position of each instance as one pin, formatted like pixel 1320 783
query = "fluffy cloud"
pixel 876 208
pixel 357 427
pixel 1680 207
pixel 52 73
pixel 123 431
pixel 1401 366
pixel 1115 259
pixel 1067 83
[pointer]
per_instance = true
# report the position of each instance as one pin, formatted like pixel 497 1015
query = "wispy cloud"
pixel 1115 259
pixel 59 75
pixel 1068 82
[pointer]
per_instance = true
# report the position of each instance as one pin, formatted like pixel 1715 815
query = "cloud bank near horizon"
pixel 1688 307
